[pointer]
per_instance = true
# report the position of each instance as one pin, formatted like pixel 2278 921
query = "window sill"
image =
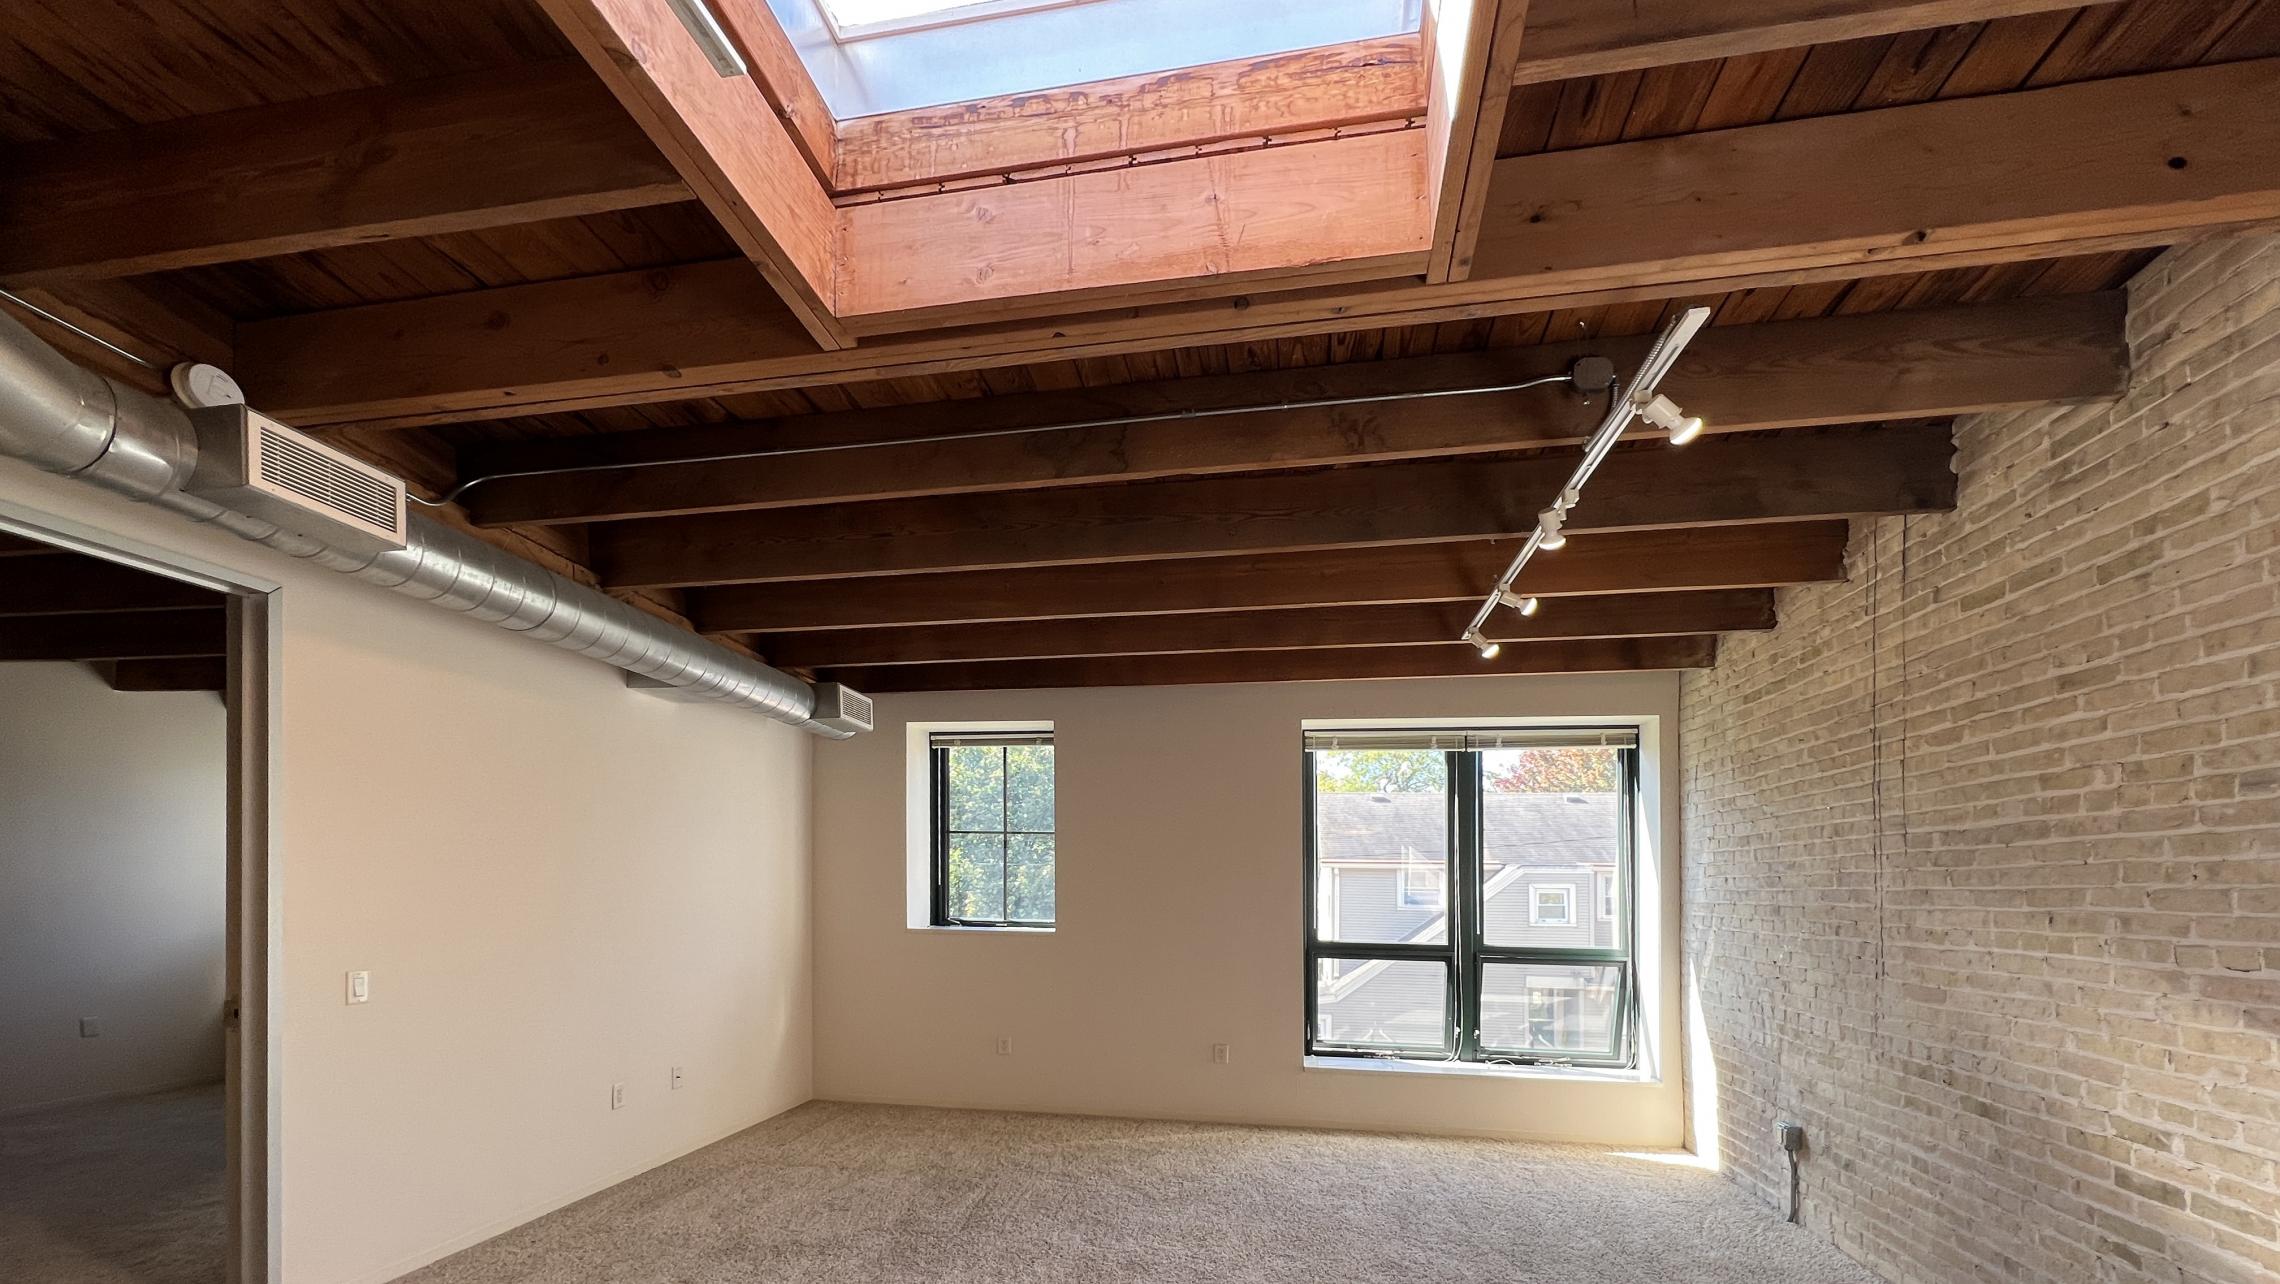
pixel 1477 1070
pixel 955 930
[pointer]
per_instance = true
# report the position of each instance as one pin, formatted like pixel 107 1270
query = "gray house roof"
pixel 1529 829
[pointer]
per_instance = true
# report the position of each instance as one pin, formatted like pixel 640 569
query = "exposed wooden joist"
pixel 1358 83
pixel 420 159
pixel 1475 44
pixel 150 318
pixel 1571 38
pixel 1403 624
pixel 783 80
pixel 1343 209
pixel 1711 483
pixel 1899 365
pixel 193 673
pixel 1631 562
pixel 2072 169
pixel 124 635
pixel 725 139
pixel 59 583
pixel 1612 655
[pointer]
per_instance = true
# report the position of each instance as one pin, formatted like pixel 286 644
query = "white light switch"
pixel 360 987
pixel 676 1078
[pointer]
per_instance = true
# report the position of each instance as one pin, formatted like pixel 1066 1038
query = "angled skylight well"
pixel 872 57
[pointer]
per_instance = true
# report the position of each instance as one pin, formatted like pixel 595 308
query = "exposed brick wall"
pixel 1983 844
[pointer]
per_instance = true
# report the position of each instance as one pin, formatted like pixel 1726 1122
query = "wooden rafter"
pixel 1475 44
pixel 1711 483
pixel 1606 655
pixel 1629 562
pixel 399 161
pixel 1429 624
pixel 1902 365
pixel 2130 161
pixel 61 583
pixel 119 635
pixel 727 142
pixel 1566 39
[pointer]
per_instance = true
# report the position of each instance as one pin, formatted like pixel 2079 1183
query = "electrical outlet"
pixel 1005 1045
pixel 1219 1054
pixel 676 1078
pixel 360 987
pixel 90 1028
pixel 617 1096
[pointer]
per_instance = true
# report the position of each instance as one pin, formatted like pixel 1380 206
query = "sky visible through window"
pixel 858 17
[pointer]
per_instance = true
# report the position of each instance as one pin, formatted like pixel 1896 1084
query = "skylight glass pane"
pixel 862 17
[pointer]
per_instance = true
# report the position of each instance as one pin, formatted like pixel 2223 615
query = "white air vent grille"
pixel 290 465
pixel 842 709
pixel 255 465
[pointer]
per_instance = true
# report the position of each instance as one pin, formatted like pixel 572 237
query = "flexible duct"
pixel 65 419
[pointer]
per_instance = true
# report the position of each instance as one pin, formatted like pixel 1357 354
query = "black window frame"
pixel 939 744
pixel 1466 954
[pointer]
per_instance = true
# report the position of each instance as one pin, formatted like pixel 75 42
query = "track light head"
pixel 1664 413
pixel 1524 605
pixel 1488 650
pixel 1549 536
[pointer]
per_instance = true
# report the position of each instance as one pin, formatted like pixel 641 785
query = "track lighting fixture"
pixel 1640 401
pixel 1524 605
pixel 1549 536
pixel 1664 413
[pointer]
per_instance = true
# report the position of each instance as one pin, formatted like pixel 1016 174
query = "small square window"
pixel 1424 887
pixel 1552 905
pixel 992 826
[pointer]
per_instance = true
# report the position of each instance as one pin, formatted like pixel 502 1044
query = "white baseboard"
pixel 115 1094
pixel 1252 1121
pixel 530 1213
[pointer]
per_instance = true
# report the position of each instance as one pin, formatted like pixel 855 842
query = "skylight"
pixel 869 57
pixel 859 19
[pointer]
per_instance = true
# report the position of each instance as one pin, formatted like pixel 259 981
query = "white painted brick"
pixel 1983 845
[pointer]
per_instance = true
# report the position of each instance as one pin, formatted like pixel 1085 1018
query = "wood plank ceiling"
pixel 1086 500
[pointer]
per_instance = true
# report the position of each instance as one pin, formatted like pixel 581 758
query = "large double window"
pixel 992 800
pixel 1527 958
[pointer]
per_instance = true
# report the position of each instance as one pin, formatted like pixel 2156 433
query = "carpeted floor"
pixel 845 1194
pixel 126 1191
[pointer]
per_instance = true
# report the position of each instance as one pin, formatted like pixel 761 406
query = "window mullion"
pixel 1466 909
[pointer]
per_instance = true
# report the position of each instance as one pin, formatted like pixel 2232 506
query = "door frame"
pixel 254 932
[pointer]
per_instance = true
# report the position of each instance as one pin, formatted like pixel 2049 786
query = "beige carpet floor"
pixel 126 1191
pixel 845 1194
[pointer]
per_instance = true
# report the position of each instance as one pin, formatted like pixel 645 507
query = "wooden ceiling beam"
pixel 190 673
pixel 420 159
pixel 122 635
pixel 1711 483
pixel 1629 562
pixel 1401 624
pixel 60 583
pixel 1566 39
pixel 1608 655
pixel 1475 46
pixel 1901 365
pixel 2072 169
pixel 728 143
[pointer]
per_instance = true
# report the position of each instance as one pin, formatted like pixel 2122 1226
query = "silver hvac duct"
pixel 65 419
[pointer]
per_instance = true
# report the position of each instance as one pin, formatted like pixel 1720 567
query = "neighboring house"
pixel 1551 883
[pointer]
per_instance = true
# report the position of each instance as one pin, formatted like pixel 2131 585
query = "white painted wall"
pixel 111 886
pixel 556 884
pixel 1181 903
